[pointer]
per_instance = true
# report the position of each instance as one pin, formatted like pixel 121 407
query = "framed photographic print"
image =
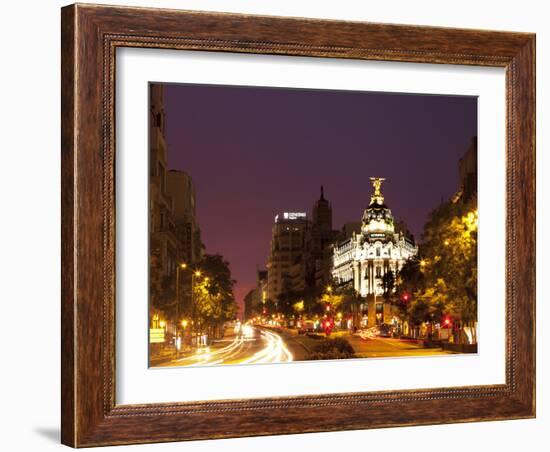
pixel 279 225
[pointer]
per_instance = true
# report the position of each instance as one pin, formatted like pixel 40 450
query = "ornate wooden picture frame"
pixel 90 37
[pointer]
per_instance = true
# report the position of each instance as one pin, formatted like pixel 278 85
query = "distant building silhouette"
pixel 286 262
pixel 320 237
pixel 255 299
pixel 467 170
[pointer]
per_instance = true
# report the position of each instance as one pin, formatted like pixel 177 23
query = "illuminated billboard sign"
pixel 156 335
pixel 294 215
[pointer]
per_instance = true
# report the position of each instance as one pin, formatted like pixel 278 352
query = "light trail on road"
pixel 241 350
pixel 275 351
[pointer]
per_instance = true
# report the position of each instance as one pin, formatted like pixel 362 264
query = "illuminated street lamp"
pixel 329 293
pixel 194 274
pixel 181 266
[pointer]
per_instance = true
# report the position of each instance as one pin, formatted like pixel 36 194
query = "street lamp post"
pixel 194 274
pixel 176 344
pixel 194 329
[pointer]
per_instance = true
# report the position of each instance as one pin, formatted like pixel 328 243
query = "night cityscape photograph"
pixel 297 224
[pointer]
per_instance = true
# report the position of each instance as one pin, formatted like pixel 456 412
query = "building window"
pixel 378 272
pixel 377 252
pixel 161 175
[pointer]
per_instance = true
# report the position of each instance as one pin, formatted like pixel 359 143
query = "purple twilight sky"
pixel 253 152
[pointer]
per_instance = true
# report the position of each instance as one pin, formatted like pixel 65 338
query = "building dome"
pixel 377 217
pixel 364 259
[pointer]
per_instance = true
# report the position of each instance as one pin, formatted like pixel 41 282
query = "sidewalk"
pixel 165 355
pixel 168 354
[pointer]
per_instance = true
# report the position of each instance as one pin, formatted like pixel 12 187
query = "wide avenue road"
pixel 249 346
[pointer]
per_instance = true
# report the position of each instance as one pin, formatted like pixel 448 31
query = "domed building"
pixel 362 260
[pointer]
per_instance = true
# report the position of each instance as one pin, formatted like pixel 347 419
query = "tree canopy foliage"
pixel 213 299
pixel 442 279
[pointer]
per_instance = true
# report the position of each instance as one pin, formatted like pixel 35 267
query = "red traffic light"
pixel 405 297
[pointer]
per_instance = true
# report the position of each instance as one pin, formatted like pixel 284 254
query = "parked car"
pixel 306 327
pixel 382 330
pixel 385 330
pixel 368 333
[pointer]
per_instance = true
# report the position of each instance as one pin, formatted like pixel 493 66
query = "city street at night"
pixel 259 345
pixel 249 346
pixel 326 261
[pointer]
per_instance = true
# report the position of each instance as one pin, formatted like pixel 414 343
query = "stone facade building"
pixel 362 260
pixel 163 243
pixel 181 189
pixel 300 255
pixel 174 235
pixel 286 261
